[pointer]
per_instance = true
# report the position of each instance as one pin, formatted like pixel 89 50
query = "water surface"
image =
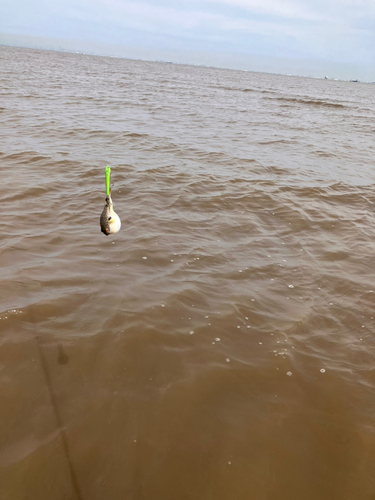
pixel 221 346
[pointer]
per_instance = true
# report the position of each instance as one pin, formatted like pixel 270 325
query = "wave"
pixel 308 102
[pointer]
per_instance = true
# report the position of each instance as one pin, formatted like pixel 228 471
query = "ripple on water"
pixel 259 245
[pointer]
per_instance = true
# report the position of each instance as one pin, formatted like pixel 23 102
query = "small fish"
pixel 109 221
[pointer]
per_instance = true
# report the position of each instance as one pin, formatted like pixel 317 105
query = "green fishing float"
pixel 107 179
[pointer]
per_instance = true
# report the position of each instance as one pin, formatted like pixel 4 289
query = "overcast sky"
pixel 336 33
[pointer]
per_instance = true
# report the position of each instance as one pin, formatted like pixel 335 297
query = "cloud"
pixel 154 17
pixel 277 8
pixel 308 32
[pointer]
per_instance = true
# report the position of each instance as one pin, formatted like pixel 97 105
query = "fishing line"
pixel 62 432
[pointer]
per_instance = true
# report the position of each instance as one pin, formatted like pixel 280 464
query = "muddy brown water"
pixel 221 345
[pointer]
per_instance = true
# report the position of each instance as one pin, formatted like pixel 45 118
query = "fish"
pixel 110 222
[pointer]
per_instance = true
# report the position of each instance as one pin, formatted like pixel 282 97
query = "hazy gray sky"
pixel 335 33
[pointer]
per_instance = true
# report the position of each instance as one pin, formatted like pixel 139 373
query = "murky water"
pixel 221 346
